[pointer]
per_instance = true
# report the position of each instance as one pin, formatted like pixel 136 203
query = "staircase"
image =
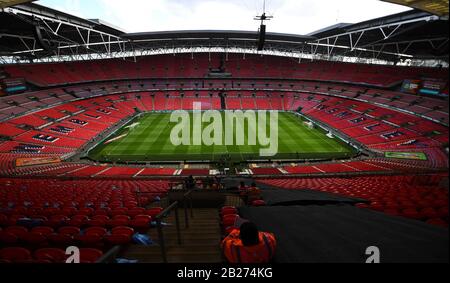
pixel 200 241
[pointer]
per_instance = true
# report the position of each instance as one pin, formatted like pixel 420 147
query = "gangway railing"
pixel 172 208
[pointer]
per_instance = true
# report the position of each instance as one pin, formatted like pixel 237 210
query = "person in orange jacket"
pixel 248 245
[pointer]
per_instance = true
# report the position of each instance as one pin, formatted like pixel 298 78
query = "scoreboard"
pixel 433 87
pixel 425 86
pixel 14 85
pixel 411 86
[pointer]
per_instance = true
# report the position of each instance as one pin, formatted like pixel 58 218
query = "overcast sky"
pixel 290 16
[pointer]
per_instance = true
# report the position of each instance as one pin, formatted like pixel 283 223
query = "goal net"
pixel 310 125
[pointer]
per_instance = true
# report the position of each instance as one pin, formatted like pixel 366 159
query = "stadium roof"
pixel 415 33
pixel 37 33
pixel 435 7
pixel 9 3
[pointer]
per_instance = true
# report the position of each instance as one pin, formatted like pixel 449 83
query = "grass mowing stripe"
pixel 298 140
pixel 326 144
pixel 162 132
pixel 146 126
pixel 150 140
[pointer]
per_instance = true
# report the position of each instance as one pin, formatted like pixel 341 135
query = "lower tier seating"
pixel 414 196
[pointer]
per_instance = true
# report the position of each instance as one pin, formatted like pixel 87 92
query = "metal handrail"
pixel 158 218
pixel 110 256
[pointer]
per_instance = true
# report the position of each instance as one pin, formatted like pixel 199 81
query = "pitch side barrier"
pixel 180 179
pixel 235 157
pixel 117 128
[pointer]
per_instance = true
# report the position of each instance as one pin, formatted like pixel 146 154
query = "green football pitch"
pixel 149 140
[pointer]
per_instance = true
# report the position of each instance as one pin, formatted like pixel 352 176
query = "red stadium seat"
pixel 78 220
pixel 86 211
pixel 69 230
pixel 57 221
pixel 8 239
pixel 136 211
pixel 411 213
pixel 258 203
pixel 102 211
pixel 91 240
pixel 119 211
pixel 141 223
pixel 229 220
pixel 429 213
pixel 143 217
pixel 12 220
pixel 154 211
pixel 44 230
pixel 50 211
pixel 228 210
pixel 34 239
pixel 3 220
pixel 376 206
pixel 118 239
pixel 18 231
pixel 89 255
pixel 100 217
pixel 117 222
pixel 95 231
pixel 69 211
pixel 60 240
pixel 98 220
pixel 15 254
pixel 362 205
pixel 51 254
pixel 123 230
pixel 443 212
pixel 121 217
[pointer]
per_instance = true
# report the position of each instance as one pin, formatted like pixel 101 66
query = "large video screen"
pixel 411 86
pixel 12 86
pixel 433 87
pixel 425 86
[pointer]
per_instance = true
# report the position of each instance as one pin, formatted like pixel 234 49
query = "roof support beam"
pixel 187 49
pixel 387 30
pixel 56 26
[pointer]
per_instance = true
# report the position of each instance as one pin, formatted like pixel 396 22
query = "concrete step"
pixel 200 242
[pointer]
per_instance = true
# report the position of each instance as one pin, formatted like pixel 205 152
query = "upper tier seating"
pixel 182 65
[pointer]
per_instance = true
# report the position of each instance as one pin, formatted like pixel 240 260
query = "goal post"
pixel 309 124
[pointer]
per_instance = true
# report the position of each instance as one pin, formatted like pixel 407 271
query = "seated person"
pixel 248 245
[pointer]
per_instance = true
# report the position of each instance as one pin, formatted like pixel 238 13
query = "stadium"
pixel 90 155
